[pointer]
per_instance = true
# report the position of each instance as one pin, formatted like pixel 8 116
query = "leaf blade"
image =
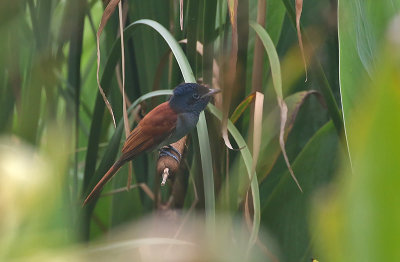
pixel 277 81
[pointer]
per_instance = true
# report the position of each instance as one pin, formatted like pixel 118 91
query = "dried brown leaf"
pixel 242 107
pixel 299 9
pixel 271 152
pixel 257 127
pixel 124 111
pixel 284 111
pixel 104 19
pixel 121 29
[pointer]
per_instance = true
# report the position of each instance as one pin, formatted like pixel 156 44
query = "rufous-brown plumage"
pixel 151 131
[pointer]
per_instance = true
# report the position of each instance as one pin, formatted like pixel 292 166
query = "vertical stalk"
pixel 193 7
pixel 243 35
pixel 258 65
pixel 258 59
pixel 32 98
pixel 210 8
pixel 74 78
pixel 241 65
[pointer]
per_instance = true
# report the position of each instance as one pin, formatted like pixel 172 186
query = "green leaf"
pixel 274 19
pixel 270 149
pixel 242 107
pixel 277 81
pixel 357 219
pixel 284 209
pixel 361 28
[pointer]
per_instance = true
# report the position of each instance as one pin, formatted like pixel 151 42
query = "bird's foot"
pixel 165 176
pixel 164 151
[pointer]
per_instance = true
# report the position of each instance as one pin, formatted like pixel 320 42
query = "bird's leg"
pixel 175 150
pixel 164 151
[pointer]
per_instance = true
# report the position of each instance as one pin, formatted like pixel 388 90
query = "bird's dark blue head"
pixel 191 98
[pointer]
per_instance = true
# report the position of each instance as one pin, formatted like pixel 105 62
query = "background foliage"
pixel 58 137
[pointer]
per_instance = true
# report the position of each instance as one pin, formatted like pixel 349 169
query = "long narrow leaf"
pixel 277 81
pixel 242 107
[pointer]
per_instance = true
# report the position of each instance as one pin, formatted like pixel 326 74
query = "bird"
pixel 162 126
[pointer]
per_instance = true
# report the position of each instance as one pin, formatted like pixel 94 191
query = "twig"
pixel 143 186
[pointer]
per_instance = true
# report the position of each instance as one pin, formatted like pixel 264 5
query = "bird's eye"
pixel 196 96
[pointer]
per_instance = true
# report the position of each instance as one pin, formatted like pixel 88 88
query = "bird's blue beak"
pixel 211 92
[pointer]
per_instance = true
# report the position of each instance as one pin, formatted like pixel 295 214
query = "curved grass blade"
pixel 277 81
pixel 172 43
pixel 199 49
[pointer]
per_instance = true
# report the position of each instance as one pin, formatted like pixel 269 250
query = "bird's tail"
pixel 110 173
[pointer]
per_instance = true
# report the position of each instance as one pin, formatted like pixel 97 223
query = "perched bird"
pixel 162 126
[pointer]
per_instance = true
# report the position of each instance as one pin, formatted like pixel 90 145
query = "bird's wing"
pixel 154 128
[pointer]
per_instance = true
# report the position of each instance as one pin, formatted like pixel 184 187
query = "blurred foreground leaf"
pixel 362 26
pixel 34 202
pixel 358 218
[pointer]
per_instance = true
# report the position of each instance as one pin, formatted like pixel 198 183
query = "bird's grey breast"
pixel 185 123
